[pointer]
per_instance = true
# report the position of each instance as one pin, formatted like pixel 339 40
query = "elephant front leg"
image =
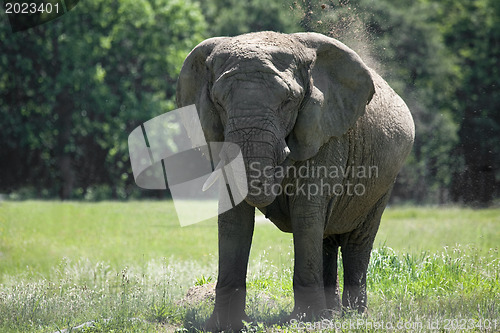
pixel 308 269
pixel 235 238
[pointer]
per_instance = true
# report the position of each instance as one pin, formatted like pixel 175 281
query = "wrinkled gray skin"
pixel 295 100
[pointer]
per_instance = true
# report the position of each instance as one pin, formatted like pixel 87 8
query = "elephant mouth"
pixel 280 175
pixel 261 189
pixel 264 190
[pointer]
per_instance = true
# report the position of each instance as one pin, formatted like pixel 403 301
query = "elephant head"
pixel 279 97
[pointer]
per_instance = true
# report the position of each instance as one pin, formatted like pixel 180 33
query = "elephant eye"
pixel 282 85
pixel 217 94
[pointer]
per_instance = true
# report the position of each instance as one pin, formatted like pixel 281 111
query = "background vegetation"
pixel 73 89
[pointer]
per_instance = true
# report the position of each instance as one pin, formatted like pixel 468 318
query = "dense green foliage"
pixel 72 90
pixel 125 266
pixel 234 17
pixel 472 32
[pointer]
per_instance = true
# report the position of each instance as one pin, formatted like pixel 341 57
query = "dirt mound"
pixel 198 294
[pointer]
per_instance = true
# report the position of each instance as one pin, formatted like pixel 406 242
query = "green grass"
pixel 124 266
pixel 417 229
pixel 36 235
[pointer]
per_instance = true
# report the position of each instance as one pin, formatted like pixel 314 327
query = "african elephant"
pixel 296 102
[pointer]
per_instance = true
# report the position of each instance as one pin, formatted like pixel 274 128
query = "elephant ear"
pixel 193 88
pixel 341 86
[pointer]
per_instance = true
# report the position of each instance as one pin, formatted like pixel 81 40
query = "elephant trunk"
pixel 262 151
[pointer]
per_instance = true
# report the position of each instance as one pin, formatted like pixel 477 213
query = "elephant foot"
pixel 333 299
pixel 354 300
pixel 307 314
pixel 362 310
pixel 216 323
pixel 310 303
pixel 303 318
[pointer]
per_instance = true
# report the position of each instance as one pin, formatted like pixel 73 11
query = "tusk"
pixel 213 177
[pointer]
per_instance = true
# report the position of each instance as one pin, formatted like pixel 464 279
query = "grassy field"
pixel 125 266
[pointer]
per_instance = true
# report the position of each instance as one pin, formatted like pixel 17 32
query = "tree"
pixel 472 32
pixel 71 91
pixel 235 17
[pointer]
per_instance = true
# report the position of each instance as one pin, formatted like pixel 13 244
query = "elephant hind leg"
pixel 356 248
pixel 330 277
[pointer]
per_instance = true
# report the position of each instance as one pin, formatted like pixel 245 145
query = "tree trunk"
pixel 64 108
